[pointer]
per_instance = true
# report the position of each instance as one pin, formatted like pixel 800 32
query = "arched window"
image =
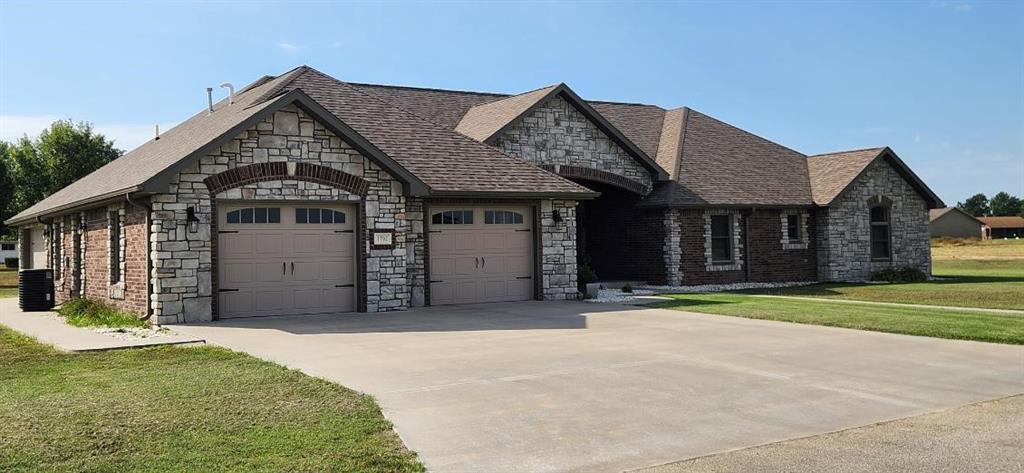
pixel 452 217
pixel 880 238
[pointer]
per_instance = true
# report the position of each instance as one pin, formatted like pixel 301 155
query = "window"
pixel 453 217
pixel 255 215
pixel 721 238
pixel 316 215
pixel 7 246
pixel 793 228
pixel 880 233
pixel 115 246
pixel 502 217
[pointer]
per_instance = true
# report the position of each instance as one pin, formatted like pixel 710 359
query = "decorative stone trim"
pixel 591 174
pixel 275 171
pixel 558 250
pixel 737 242
pixel 795 244
pixel 672 248
pixel 115 289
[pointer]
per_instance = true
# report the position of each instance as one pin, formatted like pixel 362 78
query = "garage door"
pixel 285 259
pixel 480 254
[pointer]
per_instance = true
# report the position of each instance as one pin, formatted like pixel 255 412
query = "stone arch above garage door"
pixel 277 171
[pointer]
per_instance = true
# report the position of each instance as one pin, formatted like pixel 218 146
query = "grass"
pixel 910 321
pixel 8 282
pixel 181 409
pixel 94 313
pixel 985 274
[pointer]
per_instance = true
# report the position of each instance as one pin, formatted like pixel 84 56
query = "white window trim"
pixel 115 290
pixel 804 241
pixel 737 243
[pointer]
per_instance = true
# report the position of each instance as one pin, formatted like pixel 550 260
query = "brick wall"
pixel 769 258
pixel 129 292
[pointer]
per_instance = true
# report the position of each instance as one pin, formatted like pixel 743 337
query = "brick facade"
pixel 620 241
pixel 844 230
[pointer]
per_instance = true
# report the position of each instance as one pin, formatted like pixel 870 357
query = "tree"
pixel 976 205
pixel 62 154
pixel 1004 204
pixel 6 186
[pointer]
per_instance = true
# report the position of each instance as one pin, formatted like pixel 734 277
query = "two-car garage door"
pixel 286 259
pixel 480 254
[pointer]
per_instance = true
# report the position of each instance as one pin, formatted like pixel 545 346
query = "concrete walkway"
pixel 1010 312
pixel 984 438
pixel 546 386
pixel 48 328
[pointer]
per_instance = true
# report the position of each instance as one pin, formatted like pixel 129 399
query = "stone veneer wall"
pixel 184 261
pixel 557 133
pixel 558 250
pixel 672 249
pixel 845 233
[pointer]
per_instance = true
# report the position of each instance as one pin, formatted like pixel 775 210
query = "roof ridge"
pixel 879 148
pixel 430 89
pixel 286 78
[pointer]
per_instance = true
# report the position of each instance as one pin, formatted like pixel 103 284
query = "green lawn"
pixel 181 409
pixel 974 274
pixel 910 321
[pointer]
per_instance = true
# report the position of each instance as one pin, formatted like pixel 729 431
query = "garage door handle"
pixel 283 268
pixel 293 267
pixel 476 261
pixel 483 262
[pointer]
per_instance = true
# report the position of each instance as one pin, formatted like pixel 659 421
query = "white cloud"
pixel 126 136
pixel 290 48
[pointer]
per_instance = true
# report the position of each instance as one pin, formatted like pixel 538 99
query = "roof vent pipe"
pixel 209 99
pixel 157 127
pixel 231 92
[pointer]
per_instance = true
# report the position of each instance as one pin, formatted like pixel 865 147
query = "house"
pixel 953 222
pixel 1004 227
pixel 8 251
pixel 303 194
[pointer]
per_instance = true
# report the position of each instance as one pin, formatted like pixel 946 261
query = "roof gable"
pixel 832 174
pixel 937 214
pixel 486 121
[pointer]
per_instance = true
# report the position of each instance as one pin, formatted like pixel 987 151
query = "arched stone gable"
pixel 556 133
pixel 278 171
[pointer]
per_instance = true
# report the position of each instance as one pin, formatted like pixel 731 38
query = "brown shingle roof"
pixel 639 122
pixel 719 164
pixel 485 120
pixel 446 161
pixel 1003 222
pixel 832 172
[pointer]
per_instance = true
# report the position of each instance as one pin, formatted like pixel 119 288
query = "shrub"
pixel 900 275
pixel 11 263
pixel 628 288
pixel 94 313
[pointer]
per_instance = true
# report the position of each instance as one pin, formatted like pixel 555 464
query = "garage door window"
pixel 318 216
pixel 502 217
pixel 255 215
pixel 452 217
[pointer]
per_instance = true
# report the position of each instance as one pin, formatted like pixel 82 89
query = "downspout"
pixel 746 245
pixel 149 257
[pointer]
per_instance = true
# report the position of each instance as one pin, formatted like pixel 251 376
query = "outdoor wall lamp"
pixel 556 216
pixel 191 219
pixel 46 231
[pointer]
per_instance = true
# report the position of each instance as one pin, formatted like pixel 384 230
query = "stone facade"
pixel 844 251
pixel 558 250
pixel 555 133
pixel 673 250
pixel 184 261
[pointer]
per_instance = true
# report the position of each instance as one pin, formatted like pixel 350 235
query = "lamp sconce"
pixel 556 216
pixel 191 219
pixel 82 226
pixel 46 231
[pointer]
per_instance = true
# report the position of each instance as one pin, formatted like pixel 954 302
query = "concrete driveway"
pixel 543 386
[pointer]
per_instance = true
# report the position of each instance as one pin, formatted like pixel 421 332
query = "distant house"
pixel 1004 227
pixel 8 249
pixel 953 222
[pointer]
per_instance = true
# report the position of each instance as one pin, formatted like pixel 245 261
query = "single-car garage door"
pixel 285 259
pixel 480 254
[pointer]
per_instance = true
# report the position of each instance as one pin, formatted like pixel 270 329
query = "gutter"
pixel 149 257
pixel 83 204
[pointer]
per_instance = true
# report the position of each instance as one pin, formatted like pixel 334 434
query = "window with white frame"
pixel 452 217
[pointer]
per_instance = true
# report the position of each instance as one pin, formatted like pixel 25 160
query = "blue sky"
pixel 941 82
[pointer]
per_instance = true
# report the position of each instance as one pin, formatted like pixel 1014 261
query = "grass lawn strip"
pixel 941 323
pixel 8 282
pixel 181 409
pixel 1007 312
